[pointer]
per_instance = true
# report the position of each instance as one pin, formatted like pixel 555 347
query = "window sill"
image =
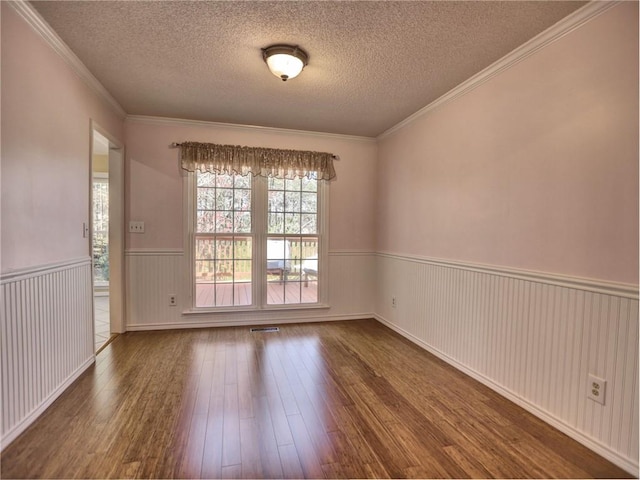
pixel 269 308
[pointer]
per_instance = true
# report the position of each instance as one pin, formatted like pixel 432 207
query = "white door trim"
pixel 116 229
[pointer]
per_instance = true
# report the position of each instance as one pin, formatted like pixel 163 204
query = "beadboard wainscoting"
pixel 47 338
pixel 153 275
pixel 532 337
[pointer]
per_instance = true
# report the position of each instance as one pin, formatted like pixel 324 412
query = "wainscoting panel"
pixel 153 275
pixel 47 338
pixel 531 337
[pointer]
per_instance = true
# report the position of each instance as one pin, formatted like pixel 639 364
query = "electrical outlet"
pixel 136 227
pixel 394 302
pixel 596 389
pixel 172 301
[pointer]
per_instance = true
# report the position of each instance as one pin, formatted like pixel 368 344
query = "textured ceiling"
pixel 371 65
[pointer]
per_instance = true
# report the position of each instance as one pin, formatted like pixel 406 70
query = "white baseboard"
pixel 247 322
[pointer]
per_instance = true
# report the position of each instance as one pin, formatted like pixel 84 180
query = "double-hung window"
pixel 257 241
pixel 223 240
pixel 292 241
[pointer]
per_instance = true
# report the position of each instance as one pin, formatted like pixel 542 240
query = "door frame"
pixel 116 229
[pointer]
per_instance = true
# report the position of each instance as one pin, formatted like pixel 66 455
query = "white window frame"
pixel 259 203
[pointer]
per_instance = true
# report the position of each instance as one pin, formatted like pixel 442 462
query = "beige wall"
pixel 100 163
pixel 46 114
pixel 154 179
pixel 535 169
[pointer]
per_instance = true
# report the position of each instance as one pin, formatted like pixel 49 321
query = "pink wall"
pixel 535 169
pixel 154 181
pixel 46 113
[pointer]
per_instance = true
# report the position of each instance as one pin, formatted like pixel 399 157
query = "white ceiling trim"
pixel 40 26
pixel 540 41
pixel 151 120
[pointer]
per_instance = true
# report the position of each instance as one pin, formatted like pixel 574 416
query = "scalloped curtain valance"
pixel 266 162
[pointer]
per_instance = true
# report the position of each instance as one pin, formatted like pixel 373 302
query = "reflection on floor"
pixel 103 330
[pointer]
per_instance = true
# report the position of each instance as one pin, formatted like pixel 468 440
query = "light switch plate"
pixel 136 227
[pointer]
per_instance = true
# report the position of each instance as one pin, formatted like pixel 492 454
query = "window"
pixel 100 198
pixel 292 241
pixel 256 241
pixel 223 240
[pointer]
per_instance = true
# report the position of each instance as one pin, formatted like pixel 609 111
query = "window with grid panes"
pixel 256 241
pixel 292 241
pixel 223 247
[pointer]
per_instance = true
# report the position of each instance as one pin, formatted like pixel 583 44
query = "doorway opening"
pixel 100 238
pixel 107 237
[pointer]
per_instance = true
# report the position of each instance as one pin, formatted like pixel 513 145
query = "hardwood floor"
pixel 344 399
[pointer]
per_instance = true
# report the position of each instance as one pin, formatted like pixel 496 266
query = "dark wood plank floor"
pixel 344 399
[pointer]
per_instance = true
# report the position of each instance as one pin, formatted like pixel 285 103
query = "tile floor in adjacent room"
pixel 103 331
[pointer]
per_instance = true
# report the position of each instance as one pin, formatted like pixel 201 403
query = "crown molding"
pixel 151 120
pixel 553 33
pixel 540 41
pixel 41 27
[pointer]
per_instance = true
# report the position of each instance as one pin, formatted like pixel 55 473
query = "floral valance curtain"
pixel 266 162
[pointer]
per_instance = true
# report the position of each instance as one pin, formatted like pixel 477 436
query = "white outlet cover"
pixel 596 389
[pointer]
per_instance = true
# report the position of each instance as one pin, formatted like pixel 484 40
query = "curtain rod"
pixel 176 145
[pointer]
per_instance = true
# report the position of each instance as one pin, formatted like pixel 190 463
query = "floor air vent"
pixel 265 329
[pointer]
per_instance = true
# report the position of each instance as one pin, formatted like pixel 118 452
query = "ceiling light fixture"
pixel 285 61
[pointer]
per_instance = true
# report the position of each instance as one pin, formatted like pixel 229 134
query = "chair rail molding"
pixel 625 290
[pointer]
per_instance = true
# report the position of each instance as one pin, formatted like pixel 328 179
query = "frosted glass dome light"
pixel 285 61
